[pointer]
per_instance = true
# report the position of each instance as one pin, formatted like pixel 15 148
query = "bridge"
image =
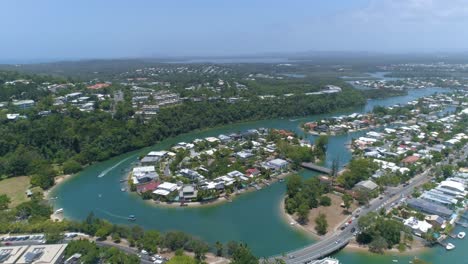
pixel 339 239
pixel 315 167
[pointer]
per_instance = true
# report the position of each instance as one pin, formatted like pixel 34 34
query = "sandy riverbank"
pixel 334 213
pixel 336 218
pixel 416 247
pixel 57 181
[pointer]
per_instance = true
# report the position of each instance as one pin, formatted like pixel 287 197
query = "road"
pixel 340 239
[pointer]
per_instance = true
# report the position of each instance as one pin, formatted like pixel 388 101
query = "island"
pixel 214 169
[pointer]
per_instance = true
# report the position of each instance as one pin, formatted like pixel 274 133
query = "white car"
pixel 144 252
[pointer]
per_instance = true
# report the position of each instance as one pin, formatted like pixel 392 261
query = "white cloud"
pixel 413 11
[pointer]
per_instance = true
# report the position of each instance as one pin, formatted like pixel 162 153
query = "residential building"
pixel 43 254
pixel 23 104
pixel 366 186
pixel 429 208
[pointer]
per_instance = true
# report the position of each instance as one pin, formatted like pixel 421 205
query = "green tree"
pixel 378 245
pixel 321 224
pixel 184 259
pixel 243 255
pixel 219 248
pixel 150 241
pixel 4 201
pixel 325 200
pixel 303 213
pixel 71 166
pixel 347 200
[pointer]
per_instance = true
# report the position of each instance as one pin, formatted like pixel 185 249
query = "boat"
pixel 123 189
pixel 395 260
pixel 461 235
pixel 131 218
pixel 450 246
pixel 59 211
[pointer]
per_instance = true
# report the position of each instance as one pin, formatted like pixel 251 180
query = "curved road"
pixel 340 239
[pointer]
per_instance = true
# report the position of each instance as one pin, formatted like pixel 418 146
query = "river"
pixel 253 218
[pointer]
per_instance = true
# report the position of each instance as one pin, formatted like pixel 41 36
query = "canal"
pixel 253 218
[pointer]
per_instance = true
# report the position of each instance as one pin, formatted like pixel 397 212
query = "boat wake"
pixel 111 214
pixel 104 172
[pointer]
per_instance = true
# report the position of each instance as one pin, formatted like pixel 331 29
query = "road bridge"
pixel 315 167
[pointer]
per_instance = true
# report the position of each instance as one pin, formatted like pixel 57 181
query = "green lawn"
pixel 15 188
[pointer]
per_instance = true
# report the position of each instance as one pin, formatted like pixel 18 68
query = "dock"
pixel 465 225
pixel 315 167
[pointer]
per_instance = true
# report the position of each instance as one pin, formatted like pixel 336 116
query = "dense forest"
pixel 29 146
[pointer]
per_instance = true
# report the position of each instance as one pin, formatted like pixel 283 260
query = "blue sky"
pixel 61 29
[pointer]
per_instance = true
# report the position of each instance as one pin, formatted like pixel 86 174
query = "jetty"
pixel 315 167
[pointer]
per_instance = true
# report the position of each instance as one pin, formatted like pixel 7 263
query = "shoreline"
pixel 217 201
pixel 352 246
pixel 58 180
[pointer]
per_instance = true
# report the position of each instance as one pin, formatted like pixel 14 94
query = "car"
pixel 381 197
pixel 353 230
pixel 291 256
pixel 350 221
pixel 342 228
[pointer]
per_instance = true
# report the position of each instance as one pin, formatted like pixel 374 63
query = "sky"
pixel 80 29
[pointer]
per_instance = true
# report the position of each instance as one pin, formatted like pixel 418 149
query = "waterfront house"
pixel 418 227
pixel 277 164
pixel 429 208
pixel 435 220
pixel 147 187
pixel 188 193
pixel 166 188
pixel 144 174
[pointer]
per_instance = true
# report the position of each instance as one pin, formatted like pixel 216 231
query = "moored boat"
pixel 461 235
pixel 450 246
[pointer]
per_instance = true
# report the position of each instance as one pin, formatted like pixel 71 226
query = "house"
pixel 244 154
pixel 429 208
pixel 190 174
pixel 252 172
pixel 366 186
pixel 144 174
pixel 188 192
pixel 417 227
pixel 165 188
pixel 23 104
pixel 153 157
pixel 435 220
pixel 410 160
pixel 277 164
pixel 147 186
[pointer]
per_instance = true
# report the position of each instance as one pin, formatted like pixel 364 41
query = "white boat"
pixel 59 211
pixel 450 246
pixel 461 235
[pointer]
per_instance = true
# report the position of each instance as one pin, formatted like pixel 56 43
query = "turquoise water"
pixel 253 218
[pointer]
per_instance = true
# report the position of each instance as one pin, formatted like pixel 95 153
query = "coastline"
pixel 352 246
pixel 217 201
pixel 58 180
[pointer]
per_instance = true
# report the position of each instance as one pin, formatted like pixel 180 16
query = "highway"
pixel 340 239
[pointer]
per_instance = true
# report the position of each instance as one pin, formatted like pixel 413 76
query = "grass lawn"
pixel 15 188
